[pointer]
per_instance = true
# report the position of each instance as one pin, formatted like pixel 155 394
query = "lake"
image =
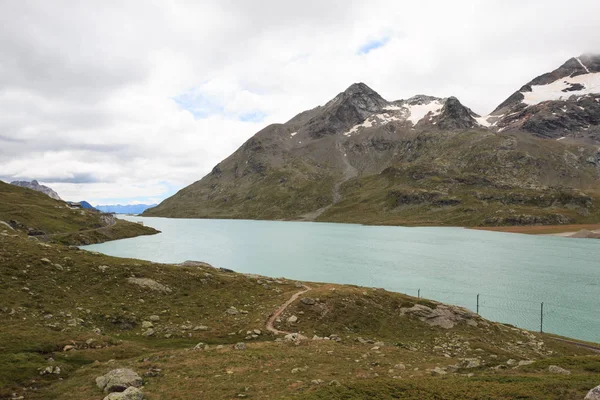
pixel 511 273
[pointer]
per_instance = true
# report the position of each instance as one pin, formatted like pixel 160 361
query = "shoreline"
pixel 550 230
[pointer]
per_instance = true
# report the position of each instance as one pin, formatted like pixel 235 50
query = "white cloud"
pixel 88 90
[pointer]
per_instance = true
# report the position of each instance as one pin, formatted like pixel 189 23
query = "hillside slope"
pixel 420 161
pixel 70 316
pixel 47 219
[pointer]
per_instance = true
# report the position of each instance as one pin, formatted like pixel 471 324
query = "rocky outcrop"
pixel 118 380
pixel 593 394
pixel 131 393
pixel 34 185
pixel 150 284
pixel 441 315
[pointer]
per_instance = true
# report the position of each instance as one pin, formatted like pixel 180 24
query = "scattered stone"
pixel 50 370
pixel 154 318
pixel 294 337
pixel 149 332
pixel 438 371
pixel 232 311
pixel 444 316
pixel 103 268
pixel 199 346
pixel 525 362
pixel 400 367
pixel 131 393
pixel 201 328
pixel 149 284
pixel 511 362
pixel 68 347
pixel 292 320
pixel 555 369
pixel 119 380
pixel 240 346
pixel 46 261
pixel 308 301
pixel 334 383
pixel 147 324
pixel 257 331
pixel 593 394
pixel 317 381
pixel 298 285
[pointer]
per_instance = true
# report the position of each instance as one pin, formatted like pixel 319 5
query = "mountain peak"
pixel 34 185
pixel 555 104
pixel 359 87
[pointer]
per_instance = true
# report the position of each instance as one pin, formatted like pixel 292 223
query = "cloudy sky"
pixel 129 101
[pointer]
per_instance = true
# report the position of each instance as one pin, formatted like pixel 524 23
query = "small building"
pixel 74 205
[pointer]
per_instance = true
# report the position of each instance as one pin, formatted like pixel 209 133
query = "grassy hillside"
pixel 54 221
pixel 113 313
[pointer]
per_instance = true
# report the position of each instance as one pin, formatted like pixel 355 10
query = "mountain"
pixel 86 205
pixel 125 209
pixel 421 161
pixel 34 185
pixel 561 103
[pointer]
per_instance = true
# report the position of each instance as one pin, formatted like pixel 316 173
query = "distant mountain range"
pixel 34 185
pixel 125 209
pixel 425 160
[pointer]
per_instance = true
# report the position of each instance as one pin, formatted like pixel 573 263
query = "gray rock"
pixel 131 393
pixel 118 380
pixel 201 328
pixel 292 320
pixel 232 311
pixel 308 301
pixel 149 284
pixel 154 318
pixel 555 369
pixel 149 332
pixel 240 346
pixel 593 394
pixel 147 324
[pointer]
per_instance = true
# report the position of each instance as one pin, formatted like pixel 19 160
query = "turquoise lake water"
pixel 512 273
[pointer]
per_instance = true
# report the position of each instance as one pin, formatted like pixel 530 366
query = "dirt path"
pixel 281 309
pixel 584 345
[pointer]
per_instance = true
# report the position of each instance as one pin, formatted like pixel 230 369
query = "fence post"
pixel 418 293
pixel 477 303
pixel 542 318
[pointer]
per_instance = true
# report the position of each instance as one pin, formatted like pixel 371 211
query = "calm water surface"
pixel 512 273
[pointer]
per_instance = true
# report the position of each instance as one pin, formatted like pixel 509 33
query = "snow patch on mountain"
pixel 563 89
pixel 419 111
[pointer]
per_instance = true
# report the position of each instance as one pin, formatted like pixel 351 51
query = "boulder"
pixel 308 301
pixel 593 394
pixel 149 284
pixel 240 346
pixel 118 380
pixel 555 369
pixel 442 315
pixel 131 393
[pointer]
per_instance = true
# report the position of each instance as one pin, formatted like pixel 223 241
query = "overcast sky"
pixel 129 101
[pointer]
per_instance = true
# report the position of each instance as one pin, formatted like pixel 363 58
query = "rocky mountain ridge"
pixel 423 160
pixel 561 103
pixel 34 185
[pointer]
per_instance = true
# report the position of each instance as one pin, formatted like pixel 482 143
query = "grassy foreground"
pixel 87 314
